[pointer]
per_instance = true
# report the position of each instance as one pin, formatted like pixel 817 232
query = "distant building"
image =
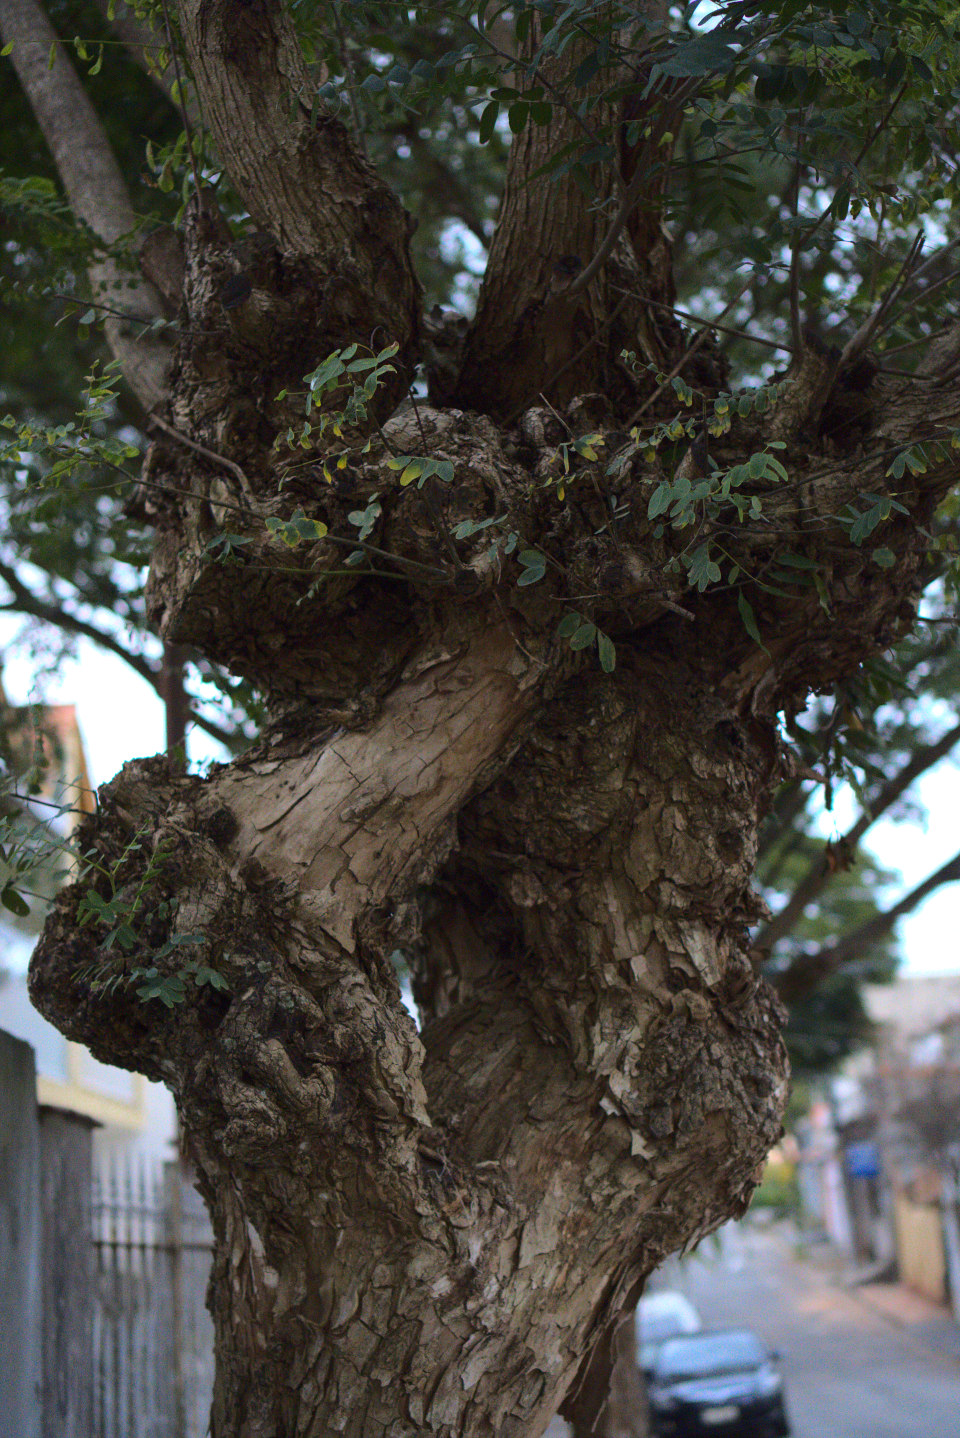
pixel 42 749
pixel 136 1119
pixel 881 1158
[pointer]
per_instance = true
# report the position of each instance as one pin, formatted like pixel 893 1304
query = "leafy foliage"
pixel 815 141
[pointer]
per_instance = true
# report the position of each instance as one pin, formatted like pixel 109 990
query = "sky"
pixel 121 718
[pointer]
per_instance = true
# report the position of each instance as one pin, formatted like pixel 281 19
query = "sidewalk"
pixel 930 1324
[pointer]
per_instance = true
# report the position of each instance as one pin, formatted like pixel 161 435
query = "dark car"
pixel 717 1383
pixel 660 1316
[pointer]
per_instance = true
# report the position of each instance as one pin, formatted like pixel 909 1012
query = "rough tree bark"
pixel 437 1232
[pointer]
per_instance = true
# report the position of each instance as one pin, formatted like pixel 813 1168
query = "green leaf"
pixel 703 570
pixel 608 652
pixel 14 901
pixel 206 975
pixel 413 471
pixel 534 566
pixel 518 115
pixel 660 499
pixel 797 561
pixel 750 620
pixel 885 558
pixel 701 56
pixel 583 636
pixel 569 624
pixel 488 121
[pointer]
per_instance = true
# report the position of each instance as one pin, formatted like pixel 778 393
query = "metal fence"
pixel 152 1335
pixel 104 1331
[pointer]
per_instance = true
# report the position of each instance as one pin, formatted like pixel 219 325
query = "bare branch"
pixel 25 602
pixel 820 873
pixel 859 342
pixel 94 186
pixel 809 970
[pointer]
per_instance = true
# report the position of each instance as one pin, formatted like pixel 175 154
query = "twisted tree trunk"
pixel 438 1231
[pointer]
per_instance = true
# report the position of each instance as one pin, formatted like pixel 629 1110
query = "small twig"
pixel 630 197
pixel 934 259
pixel 860 341
pixel 675 608
pixel 83 304
pixel 881 126
pixel 220 459
pixel 882 123
pixel 628 200
pixel 710 324
pixel 416 415
pixel 187 127
pixel 918 299
pixel 687 354
pixel 796 332
pixel 912 344
pixel 556 414
pixel 525 652
pixel 441 525
pixel 384 554
pixel 358 128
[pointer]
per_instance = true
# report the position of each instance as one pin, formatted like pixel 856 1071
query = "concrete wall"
pixel 920 1251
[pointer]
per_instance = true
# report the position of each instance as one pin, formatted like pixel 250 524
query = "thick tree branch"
pixel 94 186
pixel 558 255
pixel 301 175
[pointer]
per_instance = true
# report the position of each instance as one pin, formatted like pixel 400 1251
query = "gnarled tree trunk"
pixel 438 1231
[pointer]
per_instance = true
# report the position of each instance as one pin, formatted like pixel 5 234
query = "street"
pixel 851 1370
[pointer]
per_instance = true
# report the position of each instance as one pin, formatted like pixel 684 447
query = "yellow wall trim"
pixel 79 1099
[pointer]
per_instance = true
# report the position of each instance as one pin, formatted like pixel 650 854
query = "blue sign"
pixel 863 1160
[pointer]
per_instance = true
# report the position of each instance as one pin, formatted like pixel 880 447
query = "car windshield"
pixel 709 1355
pixel 657 1327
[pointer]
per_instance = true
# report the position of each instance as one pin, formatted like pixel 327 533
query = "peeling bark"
pixel 457 1216
pixel 438 1232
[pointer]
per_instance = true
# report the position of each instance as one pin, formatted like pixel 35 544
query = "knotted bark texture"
pixel 435 1231
pixel 425 1233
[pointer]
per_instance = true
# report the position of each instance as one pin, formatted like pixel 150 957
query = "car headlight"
pixel 769 1382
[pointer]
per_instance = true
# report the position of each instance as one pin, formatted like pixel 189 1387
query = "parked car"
pixel 717 1383
pixel 661 1316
